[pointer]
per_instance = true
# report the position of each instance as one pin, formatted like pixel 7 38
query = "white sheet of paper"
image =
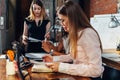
pixel 2 56
pixel 35 55
pixel 41 67
pixel 110 55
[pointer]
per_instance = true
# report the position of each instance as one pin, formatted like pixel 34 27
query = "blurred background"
pixel 13 12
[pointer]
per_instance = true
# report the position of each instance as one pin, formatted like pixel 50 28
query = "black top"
pixel 37 32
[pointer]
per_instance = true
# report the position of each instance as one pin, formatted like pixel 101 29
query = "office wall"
pixel 110 37
pixel 7 33
pixel 102 7
pixel 3 26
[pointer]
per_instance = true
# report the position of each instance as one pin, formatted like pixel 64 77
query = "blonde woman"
pixel 85 45
pixel 36 26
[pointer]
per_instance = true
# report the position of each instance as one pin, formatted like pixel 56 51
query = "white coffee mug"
pixel 10 68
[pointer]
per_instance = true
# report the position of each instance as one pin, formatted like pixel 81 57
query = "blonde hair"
pixel 43 13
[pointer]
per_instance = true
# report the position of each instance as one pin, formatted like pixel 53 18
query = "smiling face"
pixel 64 22
pixel 37 10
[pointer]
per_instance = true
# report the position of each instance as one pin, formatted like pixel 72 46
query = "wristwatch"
pixel 51 51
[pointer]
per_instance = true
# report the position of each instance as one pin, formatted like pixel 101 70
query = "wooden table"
pixel 3 75
pixel 109 62
pixel 37 76
pixel 55 76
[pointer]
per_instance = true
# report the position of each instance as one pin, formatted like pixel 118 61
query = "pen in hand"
pixel 47 33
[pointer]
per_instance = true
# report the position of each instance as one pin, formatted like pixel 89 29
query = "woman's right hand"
pixel 47 58
pixel 24 39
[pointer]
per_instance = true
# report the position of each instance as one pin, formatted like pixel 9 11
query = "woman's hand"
pixel 54 66
pixel 24 39
pixel 47 58
pixel 46 46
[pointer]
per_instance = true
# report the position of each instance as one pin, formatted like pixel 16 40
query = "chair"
pixel 110 73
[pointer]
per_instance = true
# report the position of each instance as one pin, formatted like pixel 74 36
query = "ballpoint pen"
pixel 49 29
pixel 48 32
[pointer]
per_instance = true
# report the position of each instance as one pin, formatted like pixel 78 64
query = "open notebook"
pixel 40 67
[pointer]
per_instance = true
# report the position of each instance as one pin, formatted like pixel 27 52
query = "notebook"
pixel 40 67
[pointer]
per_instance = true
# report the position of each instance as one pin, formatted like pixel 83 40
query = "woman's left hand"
pixel 54 66
pixel 46 46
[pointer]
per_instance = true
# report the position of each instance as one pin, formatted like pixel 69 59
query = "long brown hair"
pixel 39 3
pixel 77 21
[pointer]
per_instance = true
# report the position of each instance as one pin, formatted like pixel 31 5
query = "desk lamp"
pixel 114 22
